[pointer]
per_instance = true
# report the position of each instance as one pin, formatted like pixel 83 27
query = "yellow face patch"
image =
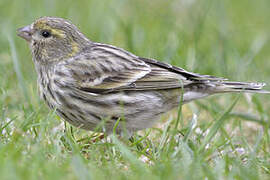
pixel 58 33
pixel 75 49
pixel 43 25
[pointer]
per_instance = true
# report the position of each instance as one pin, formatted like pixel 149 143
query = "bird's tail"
pixel 231 86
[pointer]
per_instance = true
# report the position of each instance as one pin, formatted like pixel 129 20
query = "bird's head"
pixel 52 39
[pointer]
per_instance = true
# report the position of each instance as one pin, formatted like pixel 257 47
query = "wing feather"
pixel 104 68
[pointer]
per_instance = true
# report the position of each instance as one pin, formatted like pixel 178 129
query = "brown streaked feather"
pixel 100 72
pixel 188 75
pixel 106 68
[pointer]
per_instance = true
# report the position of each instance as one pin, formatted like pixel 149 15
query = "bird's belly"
pixel 137 110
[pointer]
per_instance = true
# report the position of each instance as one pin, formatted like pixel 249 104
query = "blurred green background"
pixel 227 38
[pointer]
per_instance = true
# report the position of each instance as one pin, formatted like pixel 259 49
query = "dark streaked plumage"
pixel 87 82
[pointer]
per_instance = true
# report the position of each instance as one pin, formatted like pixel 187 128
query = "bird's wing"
pixel 105 68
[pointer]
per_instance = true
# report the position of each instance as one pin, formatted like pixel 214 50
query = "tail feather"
pixel 231 86
pixel 197 90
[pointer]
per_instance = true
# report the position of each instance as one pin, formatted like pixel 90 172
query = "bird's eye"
pixel 45 33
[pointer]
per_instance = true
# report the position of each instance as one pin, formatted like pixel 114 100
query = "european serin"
pixel 88 82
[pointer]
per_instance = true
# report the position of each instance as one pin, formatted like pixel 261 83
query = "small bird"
pixel 89 83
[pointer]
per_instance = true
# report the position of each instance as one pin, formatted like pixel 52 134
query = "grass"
pixel 221 137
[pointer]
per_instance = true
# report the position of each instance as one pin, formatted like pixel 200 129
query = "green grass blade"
pixel 17 68
pixel 217 125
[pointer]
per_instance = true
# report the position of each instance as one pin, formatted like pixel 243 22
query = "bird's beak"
pixel 25 33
